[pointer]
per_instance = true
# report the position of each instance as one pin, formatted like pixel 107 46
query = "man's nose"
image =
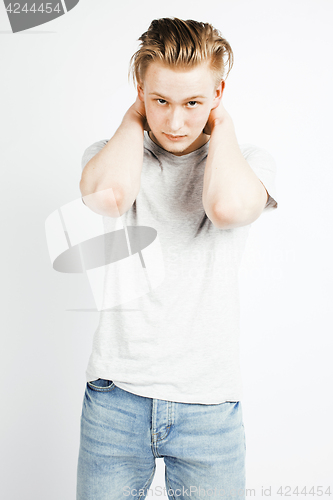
pixel 176 120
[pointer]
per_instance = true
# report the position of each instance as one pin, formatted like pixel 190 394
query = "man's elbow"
pixel 106 202
pixel 231 217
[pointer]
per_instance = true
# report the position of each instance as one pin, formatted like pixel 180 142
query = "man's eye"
pixel 192 104
pixel 161 101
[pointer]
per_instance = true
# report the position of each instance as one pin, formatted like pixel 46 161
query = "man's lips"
pixel 174 137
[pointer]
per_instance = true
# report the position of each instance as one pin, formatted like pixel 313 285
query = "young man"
pixel 163 378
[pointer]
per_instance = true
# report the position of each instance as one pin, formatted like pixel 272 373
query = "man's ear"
pixel 218 94
pixel 141 93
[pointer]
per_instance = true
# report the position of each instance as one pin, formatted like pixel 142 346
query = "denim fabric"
pixel 203 447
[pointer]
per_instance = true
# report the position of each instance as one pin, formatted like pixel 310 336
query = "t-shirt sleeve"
pixel 264 166
pixel 90 152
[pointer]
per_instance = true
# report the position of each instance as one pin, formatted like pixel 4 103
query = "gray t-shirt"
pixel 178 341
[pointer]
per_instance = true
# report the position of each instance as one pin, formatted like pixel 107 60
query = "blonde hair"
pixel 179 43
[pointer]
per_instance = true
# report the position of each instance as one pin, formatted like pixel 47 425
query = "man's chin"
pixel 179 147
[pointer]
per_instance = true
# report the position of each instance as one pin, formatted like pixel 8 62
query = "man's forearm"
pixel 112 177
pixel 232 194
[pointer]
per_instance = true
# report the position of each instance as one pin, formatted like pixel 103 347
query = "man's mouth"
pixel 174 137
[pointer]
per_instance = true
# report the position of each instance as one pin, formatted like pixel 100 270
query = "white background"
pixel 64 86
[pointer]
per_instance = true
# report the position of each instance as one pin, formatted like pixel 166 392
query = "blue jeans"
pixel 203 447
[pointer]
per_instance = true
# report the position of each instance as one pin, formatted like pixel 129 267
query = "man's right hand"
pixel 138 108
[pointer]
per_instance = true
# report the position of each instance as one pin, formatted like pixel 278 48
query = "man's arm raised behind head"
pixel 110 181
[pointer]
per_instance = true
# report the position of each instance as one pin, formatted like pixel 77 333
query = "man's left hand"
pixel 217 115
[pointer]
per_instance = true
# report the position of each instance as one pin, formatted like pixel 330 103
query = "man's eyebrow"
pixel 187 99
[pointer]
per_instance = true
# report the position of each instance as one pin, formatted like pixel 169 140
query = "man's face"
pixel 178 103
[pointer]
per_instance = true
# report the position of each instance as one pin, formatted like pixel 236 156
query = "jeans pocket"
pixel 101 385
